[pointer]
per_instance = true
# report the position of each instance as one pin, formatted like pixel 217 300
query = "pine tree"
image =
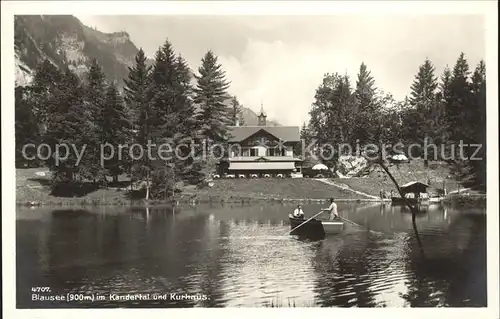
pixel 184 98
pixel 165 93
pixel 26 128
pixel 423 89
pixel 460 98
pixel 366 105
pixel 137 95
pixel 305 138
pixel 95 94
pixel 40 95
pixel 117 128
pixel 365 89
pixel 210 96
pixel 72 124
pixel 187 127
pixel 458 108
pixel 424 119
pixel 478 118
pixel 444 86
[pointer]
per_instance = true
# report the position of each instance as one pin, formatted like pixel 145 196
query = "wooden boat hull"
pixel 315 228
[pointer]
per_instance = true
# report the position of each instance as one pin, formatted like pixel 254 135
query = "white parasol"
pixel 320 167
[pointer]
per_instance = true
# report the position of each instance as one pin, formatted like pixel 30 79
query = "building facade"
pixel 263 150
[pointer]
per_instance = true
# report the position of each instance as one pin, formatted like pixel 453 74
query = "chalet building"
pixel 262 149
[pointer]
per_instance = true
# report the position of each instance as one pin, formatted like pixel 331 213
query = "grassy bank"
pixel 272 189
pixel 471 200
pixel 373 186
pixel 436 174
pixel 35 190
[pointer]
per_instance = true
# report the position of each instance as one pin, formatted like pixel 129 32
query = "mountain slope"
pixel 64 40
pixel 251 118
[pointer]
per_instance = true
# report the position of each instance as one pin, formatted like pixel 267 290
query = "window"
pixel 271 152
pixel 253 152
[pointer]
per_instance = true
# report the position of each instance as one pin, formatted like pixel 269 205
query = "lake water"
pixel 234 255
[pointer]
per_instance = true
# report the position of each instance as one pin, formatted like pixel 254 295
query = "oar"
pixel 305 222
pixel 358 225
pixel 350 221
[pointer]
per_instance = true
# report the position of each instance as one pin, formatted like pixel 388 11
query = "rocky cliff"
pixel 65 41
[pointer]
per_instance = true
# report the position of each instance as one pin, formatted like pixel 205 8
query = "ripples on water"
pixel 242 256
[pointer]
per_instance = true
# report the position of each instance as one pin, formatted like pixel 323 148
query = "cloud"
pixel 282 76
pixel 281 60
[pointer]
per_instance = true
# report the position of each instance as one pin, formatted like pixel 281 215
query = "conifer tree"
pixel 164 93
pixel 365 89
pixel 445 85
pixel 95 93
pixel 40 94
pixel 460 99
pixel 366 105
pixel 117 128
pixel 210 96
pixel 478 117
pixel 136 88
pixel 137 95
pixel 184 98
pixel 424 119
pixel 26 128
pixel 423 89
pixel 72 124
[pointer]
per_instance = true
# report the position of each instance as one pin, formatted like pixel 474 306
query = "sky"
pixel 280 61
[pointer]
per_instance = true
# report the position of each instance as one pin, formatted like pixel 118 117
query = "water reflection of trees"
pixel 140 250
pixel 453 270
pixel 345 269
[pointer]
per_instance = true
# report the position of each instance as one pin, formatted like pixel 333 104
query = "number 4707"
pixel 40 289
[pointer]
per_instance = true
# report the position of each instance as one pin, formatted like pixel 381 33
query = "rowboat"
pixel 314 228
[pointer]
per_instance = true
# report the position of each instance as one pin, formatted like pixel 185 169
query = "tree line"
pixel 162 103
pixel 443 111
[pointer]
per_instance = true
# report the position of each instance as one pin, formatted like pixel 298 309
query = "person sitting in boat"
pixel 332 209
pixel 298 213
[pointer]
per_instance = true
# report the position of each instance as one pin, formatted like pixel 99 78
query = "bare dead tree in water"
pixel 381 162
pixel 412 208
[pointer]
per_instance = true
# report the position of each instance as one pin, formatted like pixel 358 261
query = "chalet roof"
pixel 284 133
pixel 264 159
pixel 262 166
pixel 414 183
pixel 414 187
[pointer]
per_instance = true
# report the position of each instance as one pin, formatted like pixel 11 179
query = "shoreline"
pixel 210 200
pixel 452 200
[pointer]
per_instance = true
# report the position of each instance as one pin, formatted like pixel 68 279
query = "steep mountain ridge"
pixel 65 41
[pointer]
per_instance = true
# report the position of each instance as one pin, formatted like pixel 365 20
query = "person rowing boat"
pixel 298 213
pixel 332 209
